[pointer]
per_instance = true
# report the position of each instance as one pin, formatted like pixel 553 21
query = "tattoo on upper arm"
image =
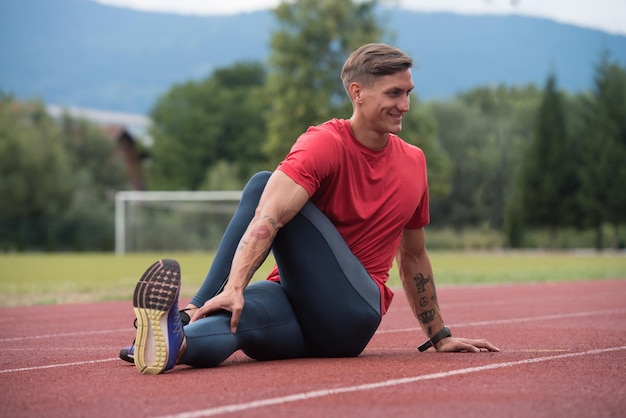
pixel 421 282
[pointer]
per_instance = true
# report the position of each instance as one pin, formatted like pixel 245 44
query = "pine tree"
pixel 550 183
pixel 603 194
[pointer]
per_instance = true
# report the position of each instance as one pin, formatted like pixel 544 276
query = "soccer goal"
pixel 172 221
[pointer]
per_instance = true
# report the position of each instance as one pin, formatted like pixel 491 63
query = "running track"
pixel 563 354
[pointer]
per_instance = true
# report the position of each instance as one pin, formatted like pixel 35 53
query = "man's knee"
pixel 259 179
pixel 255 186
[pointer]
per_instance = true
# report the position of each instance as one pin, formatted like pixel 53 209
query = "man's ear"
pixel 356 92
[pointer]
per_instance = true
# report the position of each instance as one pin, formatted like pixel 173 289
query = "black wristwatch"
pixel 444 333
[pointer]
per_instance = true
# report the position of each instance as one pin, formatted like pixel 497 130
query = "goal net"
pixel 172 221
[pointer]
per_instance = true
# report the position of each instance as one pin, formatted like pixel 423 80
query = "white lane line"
pixel 467 324
pixel 369 386
pixel 514 320
pixel 67 334
pixel 53 366
pixel 464 324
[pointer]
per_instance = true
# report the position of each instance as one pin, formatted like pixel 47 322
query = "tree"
pixel 37 179
pixel 482 131
pixel 462 132
pixel 98 172
pixel 308 50
pixel 604 151
pixel 419 127
pixel 198 124
pixel 550 182
pixel 58 181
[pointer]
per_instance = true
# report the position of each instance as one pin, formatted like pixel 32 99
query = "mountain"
pixel 81 53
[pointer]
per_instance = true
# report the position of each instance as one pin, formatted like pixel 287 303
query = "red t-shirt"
pixel 369 195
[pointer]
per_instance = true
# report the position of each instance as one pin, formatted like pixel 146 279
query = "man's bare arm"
pixel 281 200
pixel 416 274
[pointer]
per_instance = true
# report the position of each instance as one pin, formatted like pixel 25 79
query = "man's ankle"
pixel 190 309
pixel 182 349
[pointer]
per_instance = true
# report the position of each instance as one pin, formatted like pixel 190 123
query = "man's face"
pixel 385 103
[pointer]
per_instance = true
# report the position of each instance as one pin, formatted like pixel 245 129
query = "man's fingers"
pixel 482 344
pixel 234 323
pixel 467 345
pixel 487 345
pixel 228 302
pixel 204 310
pixel 234 319
pixel 470 348
pixel 199 313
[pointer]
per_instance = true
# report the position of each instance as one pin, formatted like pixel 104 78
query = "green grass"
pixel 29 279
pixel 523 267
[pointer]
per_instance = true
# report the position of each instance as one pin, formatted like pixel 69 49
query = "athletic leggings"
pixel 326 304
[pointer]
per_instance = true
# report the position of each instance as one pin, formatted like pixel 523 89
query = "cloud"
pixel 202 7
pixel 606 15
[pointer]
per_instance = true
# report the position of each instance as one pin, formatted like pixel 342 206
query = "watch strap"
pixel 444 333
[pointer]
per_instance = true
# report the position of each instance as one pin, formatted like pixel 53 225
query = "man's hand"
pixel 464 345
pixel 229 300
pixel 281 200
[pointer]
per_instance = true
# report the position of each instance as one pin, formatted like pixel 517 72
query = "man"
pixel 348 198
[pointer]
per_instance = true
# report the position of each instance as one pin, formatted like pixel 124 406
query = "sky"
pixel 606 15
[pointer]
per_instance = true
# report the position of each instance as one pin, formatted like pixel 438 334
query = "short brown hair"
pixel 371 61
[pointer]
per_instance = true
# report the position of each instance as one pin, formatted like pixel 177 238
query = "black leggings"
pixel 326 304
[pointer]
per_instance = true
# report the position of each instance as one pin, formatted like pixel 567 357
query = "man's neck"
pixel 366 136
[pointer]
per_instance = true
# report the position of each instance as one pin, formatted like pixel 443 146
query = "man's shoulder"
pixel 406 147
pixel 331 128
pixel 332 131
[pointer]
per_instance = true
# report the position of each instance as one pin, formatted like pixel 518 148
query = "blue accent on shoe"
pixel 160 333
pixel 176 336
pixel 128 353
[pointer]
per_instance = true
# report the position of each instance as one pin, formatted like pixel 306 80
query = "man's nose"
pixel 405 104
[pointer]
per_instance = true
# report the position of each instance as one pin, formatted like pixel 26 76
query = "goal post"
pixel 174 216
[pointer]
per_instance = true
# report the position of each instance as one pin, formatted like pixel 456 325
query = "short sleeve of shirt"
pixel 311 158
pixel 421 217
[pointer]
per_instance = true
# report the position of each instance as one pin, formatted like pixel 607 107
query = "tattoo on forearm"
pixel 429 331
pixel 261 232
pixel 421 282
pixel 270 221
pixel 427 317
pixel 423 302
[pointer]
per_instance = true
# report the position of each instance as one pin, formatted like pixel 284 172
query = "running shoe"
pixel 160 333
pixel 128 353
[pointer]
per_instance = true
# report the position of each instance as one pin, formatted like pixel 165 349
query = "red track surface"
pixel 563 354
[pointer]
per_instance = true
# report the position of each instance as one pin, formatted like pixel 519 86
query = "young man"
pixel 348 198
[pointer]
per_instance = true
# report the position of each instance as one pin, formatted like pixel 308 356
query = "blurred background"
pixel 520 107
